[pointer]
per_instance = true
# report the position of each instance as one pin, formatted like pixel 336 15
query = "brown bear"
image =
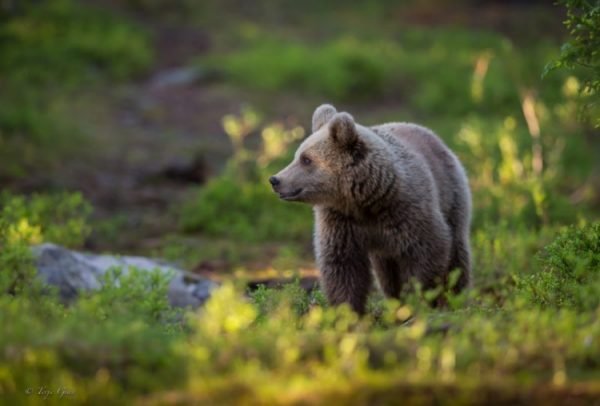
pixel 391 197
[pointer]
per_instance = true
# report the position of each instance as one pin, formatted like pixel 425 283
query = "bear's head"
pixel 326 162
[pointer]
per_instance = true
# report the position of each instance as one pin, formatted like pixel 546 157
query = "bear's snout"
pixel 285 192
pixel 274 181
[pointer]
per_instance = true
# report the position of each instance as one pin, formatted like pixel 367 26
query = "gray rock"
pixel 182 76
pixel 73 272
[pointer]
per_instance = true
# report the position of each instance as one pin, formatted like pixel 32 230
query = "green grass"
pixel 340 70
pixel 61 39
pixel 528 330
pixel 402 64
pixel 51 49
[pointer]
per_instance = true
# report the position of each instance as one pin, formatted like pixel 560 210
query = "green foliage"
pixel 331 353
pixel 341 69
pixel 400 65
pixel 123 343
pixel 498 155
pixel 96 348
pixel 238 204
pixel 290 295
pixel 17 273
pixel 246 211
pixel 34 132
pixel 60 39
pixel 49 49
pixel 59 218
pixel 280 348
pixel 108 340
pixel 581 50
pixel 570 271
pixel 127 292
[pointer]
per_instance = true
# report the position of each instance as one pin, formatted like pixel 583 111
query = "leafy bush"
pixel 570 270
pixel 331 353
pixel 484 73
pixel 344 69
pixel 239 203
pixel 498 156
pixel 60 218
pixel 290 295
pixel 17 273
pixel 244 211
pixel 581 50
pixel 95 349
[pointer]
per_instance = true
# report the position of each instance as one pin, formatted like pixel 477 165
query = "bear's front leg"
pixel 343 262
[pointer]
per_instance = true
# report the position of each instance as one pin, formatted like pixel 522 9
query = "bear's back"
pixel 445 168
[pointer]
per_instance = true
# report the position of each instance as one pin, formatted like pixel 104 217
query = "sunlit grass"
pixel 529 327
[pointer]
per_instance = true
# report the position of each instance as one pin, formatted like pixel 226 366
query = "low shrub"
pixel 123 343
pixel 569 274
pixel 343 69
pixel 58 218
pixel 239 203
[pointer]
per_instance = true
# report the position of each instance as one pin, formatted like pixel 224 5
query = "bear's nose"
pixel 274 181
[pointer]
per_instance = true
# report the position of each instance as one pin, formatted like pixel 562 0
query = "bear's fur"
pixel 391 197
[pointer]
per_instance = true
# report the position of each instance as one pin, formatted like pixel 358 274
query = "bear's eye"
pixel 305 160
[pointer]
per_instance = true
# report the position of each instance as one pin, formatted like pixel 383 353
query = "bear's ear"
pixel 342 130
pixel 322 115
